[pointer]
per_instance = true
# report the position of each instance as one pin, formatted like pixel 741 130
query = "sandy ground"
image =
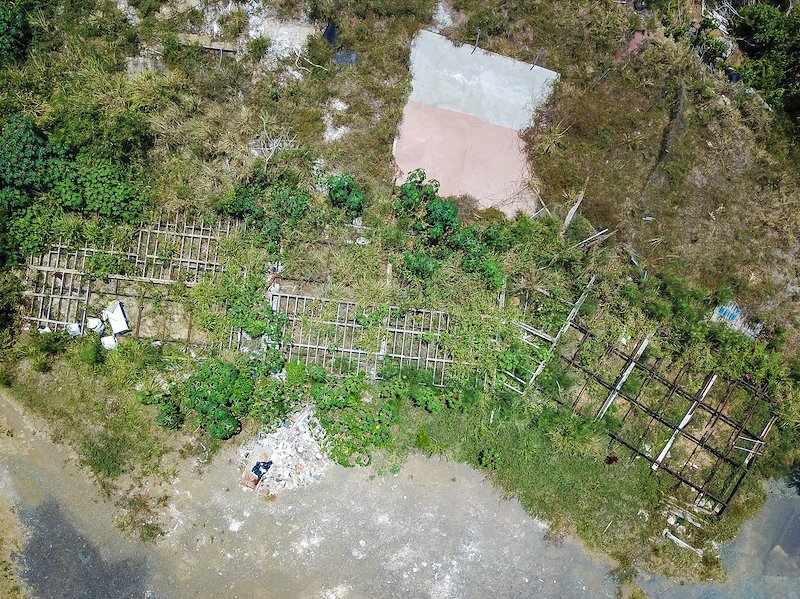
pixel 436 530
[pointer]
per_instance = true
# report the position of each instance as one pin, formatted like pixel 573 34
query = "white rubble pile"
pixel 443 17
pixel 287 36
pixel 296 451
pixel 128 11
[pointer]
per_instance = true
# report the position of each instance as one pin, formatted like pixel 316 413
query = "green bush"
pixel 49 344
pixel 215 392
pixel 97 186
pixel 490 459
pixel 147 8
pixel 250 309
pixel 14 32
pixel 633 384
pixel 27 161
pixel 354 428
pixel 442 219
pixel 243 202
pixel 420 264
pixel 30 232
pixel 428 398
pixel 169 415
pixel 415 192
pixel 345 194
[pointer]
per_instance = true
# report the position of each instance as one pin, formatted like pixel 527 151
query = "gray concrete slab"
pixel 491 87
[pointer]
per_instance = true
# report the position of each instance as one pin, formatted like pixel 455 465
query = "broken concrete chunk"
pixel 95 324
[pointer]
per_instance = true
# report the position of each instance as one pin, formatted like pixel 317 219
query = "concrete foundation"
pixel 463 119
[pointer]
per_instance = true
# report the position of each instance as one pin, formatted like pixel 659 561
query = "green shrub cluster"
pixel 440 233
pixel 38 179
pixel 345 194
pixel 219 394
pixel 270 203
pixel 771 38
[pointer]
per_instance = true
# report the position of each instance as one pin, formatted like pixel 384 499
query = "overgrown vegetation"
pixel 770 35
pixel 692 171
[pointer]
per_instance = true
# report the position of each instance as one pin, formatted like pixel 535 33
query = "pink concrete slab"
pixel 467 155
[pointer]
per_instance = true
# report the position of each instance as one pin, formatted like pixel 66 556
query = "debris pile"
pixel 732 315
pixel 294 450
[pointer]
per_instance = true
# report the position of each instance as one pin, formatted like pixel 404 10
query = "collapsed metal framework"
pixel 706 436
pixel 174 249
pixel 345 338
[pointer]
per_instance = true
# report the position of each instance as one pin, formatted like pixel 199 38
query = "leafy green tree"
pixel 14 32
pixel 771 38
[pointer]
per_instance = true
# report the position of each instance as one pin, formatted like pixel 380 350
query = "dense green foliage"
pixel 271 202
pixel 440 233
pixel 97 186
pixel 218 393
pixel 345 194
pixel 14 32
pixel 771 38
pixel 38 179
pixel 27 161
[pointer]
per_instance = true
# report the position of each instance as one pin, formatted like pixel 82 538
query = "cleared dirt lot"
pixel 437 530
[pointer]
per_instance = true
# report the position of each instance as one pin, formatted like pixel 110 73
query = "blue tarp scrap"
pixel 348 58
pixel 330 35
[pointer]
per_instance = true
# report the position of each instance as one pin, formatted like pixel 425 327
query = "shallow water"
pixel 60 562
